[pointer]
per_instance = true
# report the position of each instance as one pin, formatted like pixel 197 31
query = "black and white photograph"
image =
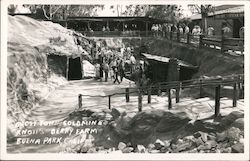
pixel 125 78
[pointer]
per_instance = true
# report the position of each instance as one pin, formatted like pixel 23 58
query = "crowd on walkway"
pixel 111 64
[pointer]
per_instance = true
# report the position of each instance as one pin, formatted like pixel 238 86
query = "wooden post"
pixel 127 94
pixel 200 88
pixel 149 94
pixel 239 86
pixel 178 36
pixel 177 93
pixel 169 99
pixel 235 94
pixel 139 100
pixel 80 101
pixel 222 42
pixel 159 90
pixel 67 69
pixel 109 101
pixel 188 38
pixel 217 100
pixel 201 42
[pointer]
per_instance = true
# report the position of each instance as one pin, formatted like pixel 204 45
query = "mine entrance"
pixel 75 69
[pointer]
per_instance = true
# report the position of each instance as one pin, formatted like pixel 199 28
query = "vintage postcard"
pixel 125 80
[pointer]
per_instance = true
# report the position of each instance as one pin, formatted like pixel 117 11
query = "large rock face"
pixel 28 78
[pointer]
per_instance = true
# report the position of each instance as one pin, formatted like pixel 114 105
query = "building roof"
pixel 119 19
pixel 166 60
pixel 223 11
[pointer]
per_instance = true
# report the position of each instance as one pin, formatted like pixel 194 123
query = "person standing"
pixel 121 69
pixel 106 70
pixel 116 74
pixel 226 31
pixel 210 31
pixel 241 32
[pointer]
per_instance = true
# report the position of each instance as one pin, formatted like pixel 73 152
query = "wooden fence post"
pixel 80 101
pixel 188 38
pixel 201 88
pixel 109 101
pixel 127 94
pixel 159 90
pixel 149 94
pixel 177 93
pixel 139 100
pixel 178 36
pixel 201 41
pixel 240 86
pixel 217 100
pixel 222 42
pixel 169 99
pixel 235 94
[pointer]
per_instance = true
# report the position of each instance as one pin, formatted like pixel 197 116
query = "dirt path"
pixel 60 103
pixel 64 100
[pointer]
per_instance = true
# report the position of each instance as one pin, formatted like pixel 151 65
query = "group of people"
pixel 110 63
pixel 158 29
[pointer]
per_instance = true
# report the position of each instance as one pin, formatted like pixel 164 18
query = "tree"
pixel 12 8
pixel 204 10
pixel 171 13
pixel 61 12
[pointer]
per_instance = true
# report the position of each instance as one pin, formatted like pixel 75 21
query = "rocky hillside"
pixel 29 79
pixel 159 132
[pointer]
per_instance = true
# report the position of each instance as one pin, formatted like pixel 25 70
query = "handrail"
pixel 177 85
pixel 196 40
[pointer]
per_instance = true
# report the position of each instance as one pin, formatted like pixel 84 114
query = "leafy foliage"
pixel 61 12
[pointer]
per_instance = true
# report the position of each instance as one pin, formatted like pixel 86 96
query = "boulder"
pixel 238 148
pixel 127 150
pixel 115 113
pixel 198 142
pixel 233 134
pixel 229 119
pixel 84 149
pixel 211 137
pixel 92 150
pixel 141 149
pixel 226 150
pixel 220 137
pixel 155 151
pixel 211 143
pixel 121 146
pixel 172 122
pixel 151 147
pixel 239 123
pixel 183 147
pixel 159 144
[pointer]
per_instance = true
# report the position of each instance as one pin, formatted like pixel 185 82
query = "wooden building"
pixel 112 25
pixel 162 69
pixel 233 15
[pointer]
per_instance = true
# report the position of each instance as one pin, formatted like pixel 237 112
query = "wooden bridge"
pixel 235 81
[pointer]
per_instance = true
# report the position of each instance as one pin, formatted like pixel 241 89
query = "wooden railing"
pixel 215 42
pixel 237 83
